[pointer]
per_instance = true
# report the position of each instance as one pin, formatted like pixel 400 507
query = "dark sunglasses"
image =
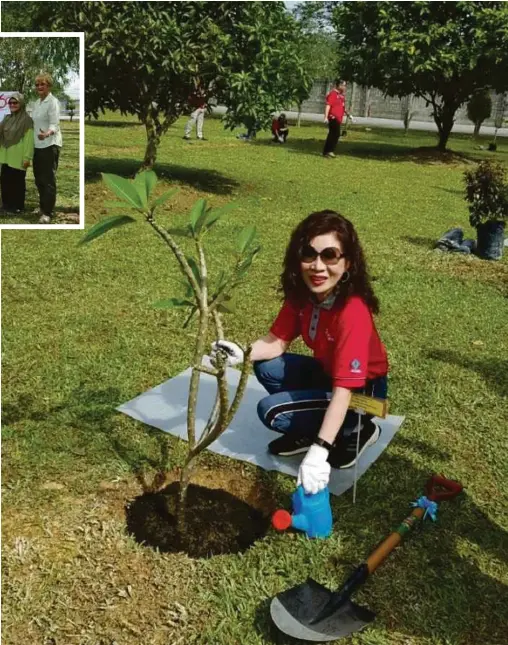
pixel 329 256
pixel 13 103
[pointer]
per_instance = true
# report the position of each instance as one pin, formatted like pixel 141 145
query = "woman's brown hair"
pixel 321 223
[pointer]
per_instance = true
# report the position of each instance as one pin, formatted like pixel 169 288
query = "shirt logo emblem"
pixel 355 366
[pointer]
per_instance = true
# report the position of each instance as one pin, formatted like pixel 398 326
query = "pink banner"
pixel 4 108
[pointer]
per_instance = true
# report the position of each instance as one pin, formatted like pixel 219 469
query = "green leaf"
pixel 164 197
pixel 145 182
pixel 189 291
pixel 201 220
pixel 193 311
pixel 105 225
pixel 196 212
pixel 221 281
pixel 110 204
pixel 228 308
pixel 180 232
pixel 215 214
pixel 194 268
pixel 172 303
pixel 247 261
pixel 245 238
pixel 123 188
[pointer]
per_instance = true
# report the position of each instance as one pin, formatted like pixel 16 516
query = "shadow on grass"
pixel 493 370
pixel 427 587
pixel 374 150
pixel 209 181
pixel 419 240
pixel 113 124
pixel 89 414
pixel 451 191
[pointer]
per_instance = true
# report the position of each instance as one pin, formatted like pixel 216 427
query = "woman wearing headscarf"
pixel 16 153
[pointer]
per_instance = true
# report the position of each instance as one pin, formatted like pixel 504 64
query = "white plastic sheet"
pixel 246 439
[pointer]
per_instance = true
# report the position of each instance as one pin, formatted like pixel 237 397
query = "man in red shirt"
pixel 334 113
pixel 198 101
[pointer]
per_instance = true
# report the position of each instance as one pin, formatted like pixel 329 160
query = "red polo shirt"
pixel 343 339
pixel 197 100
pixel 337 103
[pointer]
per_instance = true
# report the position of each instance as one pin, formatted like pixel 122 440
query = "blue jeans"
pixel 299 394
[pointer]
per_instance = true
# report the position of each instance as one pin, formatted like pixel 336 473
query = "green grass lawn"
pixel 80 337
pixel 67 198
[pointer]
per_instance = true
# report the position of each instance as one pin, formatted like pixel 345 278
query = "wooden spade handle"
pixel 438 488
pixel 393 540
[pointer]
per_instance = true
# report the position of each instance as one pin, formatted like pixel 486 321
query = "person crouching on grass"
pixel 280 129
pixel 48 143
pixel 329 301
pixel 16 153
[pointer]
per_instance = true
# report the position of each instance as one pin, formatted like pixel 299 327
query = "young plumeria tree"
pixel 204 297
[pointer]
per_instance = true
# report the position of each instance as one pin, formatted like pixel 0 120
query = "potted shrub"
pixel 487 196
pixel 204 298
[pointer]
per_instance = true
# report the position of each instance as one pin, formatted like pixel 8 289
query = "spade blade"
pixel 293 610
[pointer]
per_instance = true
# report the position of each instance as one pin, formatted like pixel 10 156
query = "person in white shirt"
pixel 48 142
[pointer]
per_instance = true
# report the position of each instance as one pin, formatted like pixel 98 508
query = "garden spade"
pixel 312 612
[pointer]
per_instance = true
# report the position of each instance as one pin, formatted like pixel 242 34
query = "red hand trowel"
pixel 312 612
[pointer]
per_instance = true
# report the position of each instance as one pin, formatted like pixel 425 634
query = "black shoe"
pixel 290 444
pixel 201 139
pixel 343 454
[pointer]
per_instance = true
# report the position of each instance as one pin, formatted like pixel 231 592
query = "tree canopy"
pixel 23 58
pixel 444 52
pixel 318 44
pixel 148 58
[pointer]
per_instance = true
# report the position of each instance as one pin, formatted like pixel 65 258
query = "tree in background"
pixel 443 52
pixel 71 107
pixel 23 58
pixel 147 58
pixel 479 108
pixel 318 45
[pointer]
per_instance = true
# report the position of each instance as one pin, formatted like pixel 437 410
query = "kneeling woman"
pixel 330 303
pixel 16 153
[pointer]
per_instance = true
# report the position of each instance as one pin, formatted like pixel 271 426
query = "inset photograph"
pixel 41 130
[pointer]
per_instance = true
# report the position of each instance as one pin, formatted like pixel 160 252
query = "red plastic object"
pixel 281 520
pixel 449 488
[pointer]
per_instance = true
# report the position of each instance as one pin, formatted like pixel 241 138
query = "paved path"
pixel 389 123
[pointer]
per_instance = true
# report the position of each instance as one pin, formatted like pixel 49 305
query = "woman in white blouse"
pixel 48 142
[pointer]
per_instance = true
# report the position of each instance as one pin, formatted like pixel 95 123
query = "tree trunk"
pixel 477 127
pixel 194 390
pixel 156 125
pixel 299 117
pixel 444 117
pixel 181 508
pixel 153 140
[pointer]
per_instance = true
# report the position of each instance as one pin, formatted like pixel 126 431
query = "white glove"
pixel 352 118
pixel 233 351
pixel 314 472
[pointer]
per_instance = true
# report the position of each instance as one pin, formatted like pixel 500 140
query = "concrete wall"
pixel 370 102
